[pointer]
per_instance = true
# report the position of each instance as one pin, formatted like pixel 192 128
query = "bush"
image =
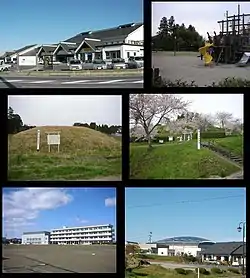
pixel 226 82
pixel 216 270
pixel 214 134
pixel 202 271
pixel 189 271
pixel 181 271
pixel 234 270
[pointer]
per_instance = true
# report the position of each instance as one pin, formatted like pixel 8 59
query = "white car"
pixel 212 262
pixel 4 67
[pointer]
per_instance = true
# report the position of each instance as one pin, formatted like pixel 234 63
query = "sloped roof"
pixel 24 48
pixel 121 31
pixel 222 248
pixel 6 54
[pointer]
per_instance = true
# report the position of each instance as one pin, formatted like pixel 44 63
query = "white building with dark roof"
pixel 40 237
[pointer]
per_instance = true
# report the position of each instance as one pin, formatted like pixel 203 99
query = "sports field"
pixel 59 259
pixel 188 67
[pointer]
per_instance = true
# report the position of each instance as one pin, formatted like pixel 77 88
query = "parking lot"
pixel 59 259
pixel 188 67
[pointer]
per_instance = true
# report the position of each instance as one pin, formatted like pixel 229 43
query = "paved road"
pixel 135 81
pixel 186 266
pixel 189 68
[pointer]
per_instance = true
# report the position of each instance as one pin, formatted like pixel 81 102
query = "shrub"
pixel 202 271
pixel 226 82
pixel 234 270
pixel 214 134
pixel 216 270
pixel 189 271
pixel 181 271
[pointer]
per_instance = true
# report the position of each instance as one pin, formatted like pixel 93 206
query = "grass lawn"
pixel 156 271
pixel 233 144
pixel 177 160
pixel 84 154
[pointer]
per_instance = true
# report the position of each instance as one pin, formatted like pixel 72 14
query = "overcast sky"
pixel 212 103
pixel 66 110
pixel 202 15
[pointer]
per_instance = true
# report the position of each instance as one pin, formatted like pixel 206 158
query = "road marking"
pixel 140 81
pixel 110 81
pixel 42 81
pixel 75 82
pixel 13 80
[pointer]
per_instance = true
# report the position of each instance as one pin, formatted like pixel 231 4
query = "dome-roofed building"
pixel 177 246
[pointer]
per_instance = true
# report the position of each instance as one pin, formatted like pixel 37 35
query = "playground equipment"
pixel 232 44
pixel 204 51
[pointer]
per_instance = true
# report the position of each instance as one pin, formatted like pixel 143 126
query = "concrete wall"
pixel 35 239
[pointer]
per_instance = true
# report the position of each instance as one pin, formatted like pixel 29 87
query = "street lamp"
pixel 242 226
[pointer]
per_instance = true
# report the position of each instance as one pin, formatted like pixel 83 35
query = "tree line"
pixel 15 125
pixel 113 129
pixel 174 37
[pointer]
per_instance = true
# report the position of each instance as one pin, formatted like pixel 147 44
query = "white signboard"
pixel 27 60
pixel 198 139
pixel 170 138
pixel 53 139
pixel 161 141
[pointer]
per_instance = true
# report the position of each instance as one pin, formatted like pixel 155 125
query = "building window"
pixel 128 54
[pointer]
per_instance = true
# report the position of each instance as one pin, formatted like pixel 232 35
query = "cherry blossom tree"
pixel 150 110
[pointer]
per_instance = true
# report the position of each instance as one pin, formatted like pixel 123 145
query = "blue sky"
pixel 36 209
pixel 169 212
pixel 51 21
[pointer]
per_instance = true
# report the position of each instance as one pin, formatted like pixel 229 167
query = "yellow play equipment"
pixel 204 52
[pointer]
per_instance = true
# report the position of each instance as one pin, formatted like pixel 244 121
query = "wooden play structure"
pixel 232 42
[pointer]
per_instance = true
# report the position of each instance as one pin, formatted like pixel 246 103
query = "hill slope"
pixel 73 139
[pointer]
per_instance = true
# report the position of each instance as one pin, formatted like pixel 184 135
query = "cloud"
pixel 82 221
pixel 22 206
pixel 110 202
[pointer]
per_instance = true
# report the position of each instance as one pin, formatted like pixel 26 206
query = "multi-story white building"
pixel 41 237
pixel 83 235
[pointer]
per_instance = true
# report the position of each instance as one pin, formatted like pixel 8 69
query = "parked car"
pixel 212 262
pixel 94 65
pixel 4 67
pixel 118 64
pixel 75 65
pixel 136 62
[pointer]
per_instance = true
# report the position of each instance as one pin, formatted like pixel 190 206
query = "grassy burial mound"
pixel 84 154
pixel 232 144
pixel 177 160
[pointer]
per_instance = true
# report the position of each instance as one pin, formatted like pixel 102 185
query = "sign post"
pixel 198 139
pixel 53 138
pixel 38 140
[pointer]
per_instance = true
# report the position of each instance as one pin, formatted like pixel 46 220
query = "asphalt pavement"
pixel 133 81
pixel 187 266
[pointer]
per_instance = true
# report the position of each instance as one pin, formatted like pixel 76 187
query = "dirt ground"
pixel 189 67
pixel 58 259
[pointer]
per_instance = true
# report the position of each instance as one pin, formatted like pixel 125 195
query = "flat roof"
pixel 92 226
pixel 39 232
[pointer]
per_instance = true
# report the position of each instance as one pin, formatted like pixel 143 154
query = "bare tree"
pixel 223 118
pixel 149 110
